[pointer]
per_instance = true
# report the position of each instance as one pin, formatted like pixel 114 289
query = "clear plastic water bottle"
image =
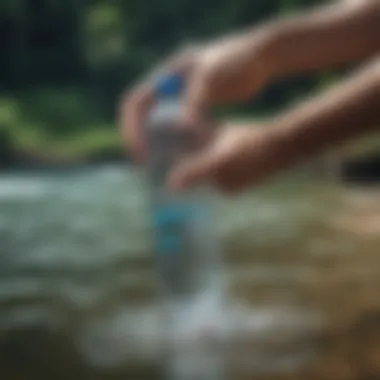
pixel 187 252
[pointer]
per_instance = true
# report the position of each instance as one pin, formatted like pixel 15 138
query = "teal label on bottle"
pixel 171 222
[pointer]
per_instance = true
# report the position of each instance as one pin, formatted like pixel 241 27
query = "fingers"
pixel 180 63
pixel 197 98
pixel 135 106
pixel 133 112
pixel 204 167
pixel 193 171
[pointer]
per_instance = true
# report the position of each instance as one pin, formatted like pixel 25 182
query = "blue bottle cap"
pixel 169 85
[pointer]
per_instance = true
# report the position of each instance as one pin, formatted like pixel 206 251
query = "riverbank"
pixel 357 162
pixel 41 151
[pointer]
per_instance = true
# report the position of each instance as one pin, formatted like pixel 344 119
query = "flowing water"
pixel 78 285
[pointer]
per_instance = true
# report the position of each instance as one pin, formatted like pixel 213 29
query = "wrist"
pixel 255 48
pixel 262 41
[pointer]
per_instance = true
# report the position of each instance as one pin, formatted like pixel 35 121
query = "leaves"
pixel 97 47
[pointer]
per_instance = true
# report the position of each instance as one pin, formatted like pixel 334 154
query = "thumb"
pixel 192 170
pixel 197 98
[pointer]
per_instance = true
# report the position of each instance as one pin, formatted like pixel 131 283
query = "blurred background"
pixel 77 290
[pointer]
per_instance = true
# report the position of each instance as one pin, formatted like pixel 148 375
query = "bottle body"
pixel 185 240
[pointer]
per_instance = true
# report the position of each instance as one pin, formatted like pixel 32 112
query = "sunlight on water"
pixel 22 189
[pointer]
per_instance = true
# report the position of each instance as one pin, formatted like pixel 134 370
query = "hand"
pixel 227 71
pixel 237 157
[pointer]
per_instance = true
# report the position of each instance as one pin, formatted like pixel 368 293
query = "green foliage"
pixel 60 111
pixel 104 29
pixel 10 112
pixel 67 61
pixel 56 124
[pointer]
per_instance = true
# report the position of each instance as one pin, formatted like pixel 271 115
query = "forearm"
pixel 340 33
pixel 348 110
